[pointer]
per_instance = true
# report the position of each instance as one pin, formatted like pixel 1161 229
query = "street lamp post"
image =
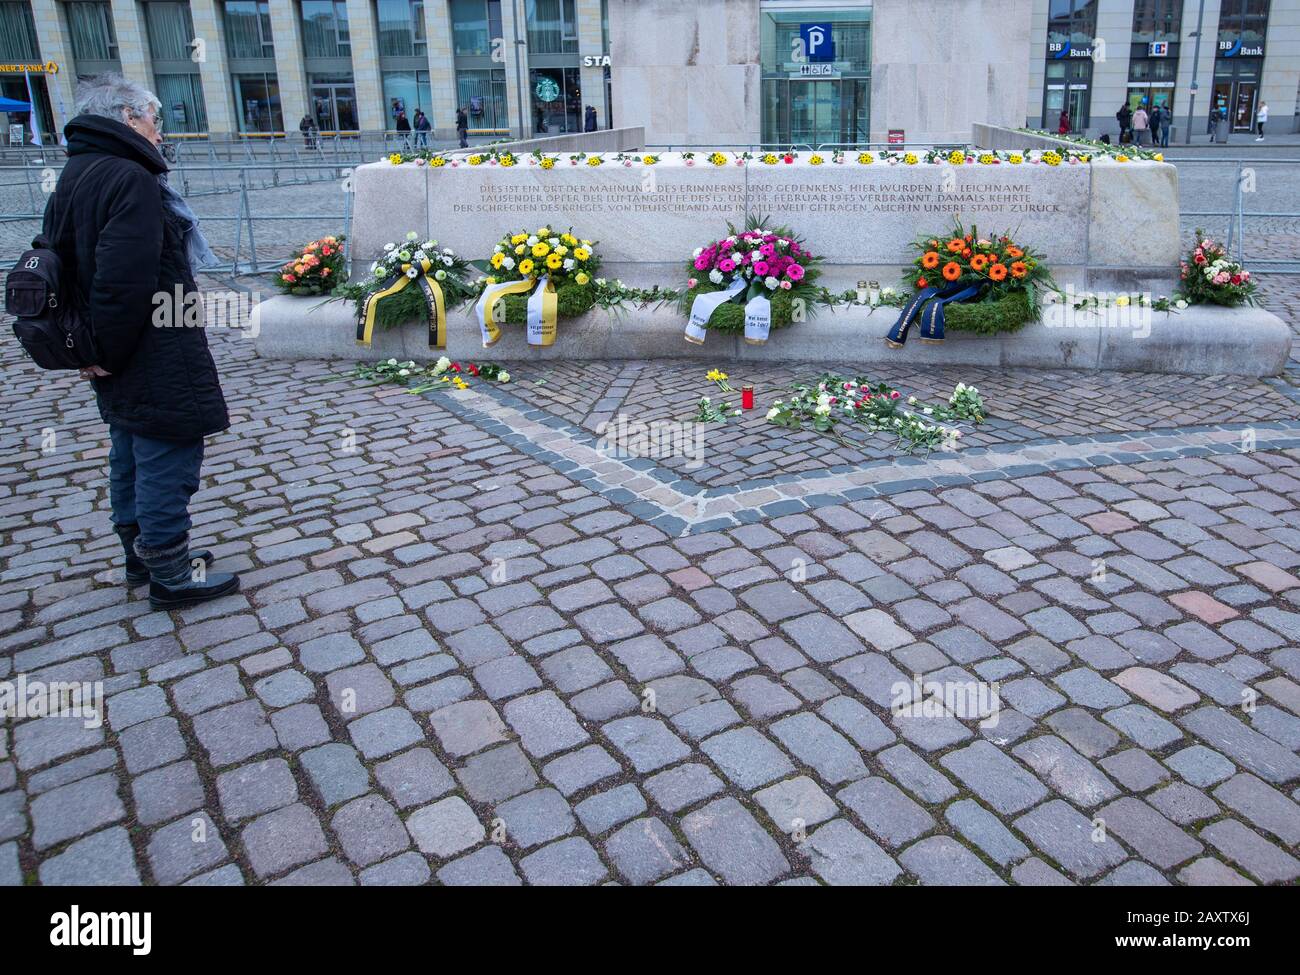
pixel 1196 63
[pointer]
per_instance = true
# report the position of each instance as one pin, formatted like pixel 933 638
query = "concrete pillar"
pixel 1110 71
pixel 52 36
pixel 1279 86
pixel 442 68
pixel 591 42
pixel 1036 57
pixel 286 31
pixel 511 32
pixel 1204 69
pixel 371 113
pixel 934 83
pixel 133 42
pixel 210 28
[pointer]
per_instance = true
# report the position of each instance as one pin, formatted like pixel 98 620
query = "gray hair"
pixel 110 95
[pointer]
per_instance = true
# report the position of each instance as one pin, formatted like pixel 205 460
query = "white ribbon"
pixel 535 312
pixel 703 306
pixel 758 319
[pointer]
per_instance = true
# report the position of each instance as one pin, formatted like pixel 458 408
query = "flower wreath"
pixel 748 282
pixel 538 277
pixel 385 297
pixel 999 278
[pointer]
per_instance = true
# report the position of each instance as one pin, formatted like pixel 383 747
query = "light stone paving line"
pixel 693 510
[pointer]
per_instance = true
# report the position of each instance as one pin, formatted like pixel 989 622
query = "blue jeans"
pixel 150 483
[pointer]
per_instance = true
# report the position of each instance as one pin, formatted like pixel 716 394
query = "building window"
pixel 1157 20
pixel 257 102
pixel 90 29
pixel 482 93
pixel 248 29
pixel 405 91
pixel 325 29
pixel 171 31
pixel 182 103
pixel 475 24
pixel 552 27
pixel 557 100
pixel 401 28
pixel 18 33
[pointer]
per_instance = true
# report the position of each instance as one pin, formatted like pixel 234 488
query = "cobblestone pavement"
pixel 471 649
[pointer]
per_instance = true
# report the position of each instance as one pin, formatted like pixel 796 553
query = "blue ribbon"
pixel 927 308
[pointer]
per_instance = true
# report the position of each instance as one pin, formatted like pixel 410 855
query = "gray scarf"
pixel 197 250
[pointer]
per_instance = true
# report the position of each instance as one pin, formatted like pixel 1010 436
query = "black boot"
pixel 175 580
pixel 137 573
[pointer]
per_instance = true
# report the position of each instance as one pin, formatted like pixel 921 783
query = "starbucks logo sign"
pixel 546 90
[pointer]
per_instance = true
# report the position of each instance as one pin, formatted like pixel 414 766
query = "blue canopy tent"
pixel 13 105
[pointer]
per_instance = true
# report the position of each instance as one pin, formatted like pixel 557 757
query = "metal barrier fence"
pixel 231 230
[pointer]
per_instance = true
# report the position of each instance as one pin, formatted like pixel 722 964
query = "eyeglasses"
pixel 156 119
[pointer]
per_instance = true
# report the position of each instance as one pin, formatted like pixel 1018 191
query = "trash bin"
pixel 1221 130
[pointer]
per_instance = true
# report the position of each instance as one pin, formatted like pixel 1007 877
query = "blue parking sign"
pixel 818 43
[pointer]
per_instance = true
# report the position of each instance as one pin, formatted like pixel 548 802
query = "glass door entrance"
pixel 334 107
pixel 815 111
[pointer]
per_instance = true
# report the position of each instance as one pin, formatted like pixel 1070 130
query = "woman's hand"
pixel 93 372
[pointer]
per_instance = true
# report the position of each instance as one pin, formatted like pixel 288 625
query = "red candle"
pixel 746 397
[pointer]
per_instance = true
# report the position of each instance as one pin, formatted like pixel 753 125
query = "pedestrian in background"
pixel 1261 117
pixel 462 127
pixel 1140 123
pixel 422 128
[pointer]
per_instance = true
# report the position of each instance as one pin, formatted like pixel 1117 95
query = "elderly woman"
pixel 137 247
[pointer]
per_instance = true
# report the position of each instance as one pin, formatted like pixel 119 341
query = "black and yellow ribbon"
pixel 434 301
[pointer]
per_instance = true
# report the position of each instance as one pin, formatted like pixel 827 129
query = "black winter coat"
pixel 126 252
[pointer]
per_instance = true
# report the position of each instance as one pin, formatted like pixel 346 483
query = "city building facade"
pixel 815 72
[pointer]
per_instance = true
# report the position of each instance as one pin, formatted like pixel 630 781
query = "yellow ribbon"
pixel 492 334
pixel 437 308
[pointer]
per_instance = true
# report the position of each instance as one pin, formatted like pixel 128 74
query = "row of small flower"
pixel 952 157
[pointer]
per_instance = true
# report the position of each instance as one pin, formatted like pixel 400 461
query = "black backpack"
pixel 48 319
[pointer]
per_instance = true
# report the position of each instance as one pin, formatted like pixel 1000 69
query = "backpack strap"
pixel 61 224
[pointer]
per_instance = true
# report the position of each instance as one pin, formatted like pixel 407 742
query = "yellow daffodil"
pixel 395 158
pixel 716 375
pixel 548 163
pixel 475 160
pixel 910 159
pixel 1015 158
pixel 816 160
pixel 1051 157
pixel 866 158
